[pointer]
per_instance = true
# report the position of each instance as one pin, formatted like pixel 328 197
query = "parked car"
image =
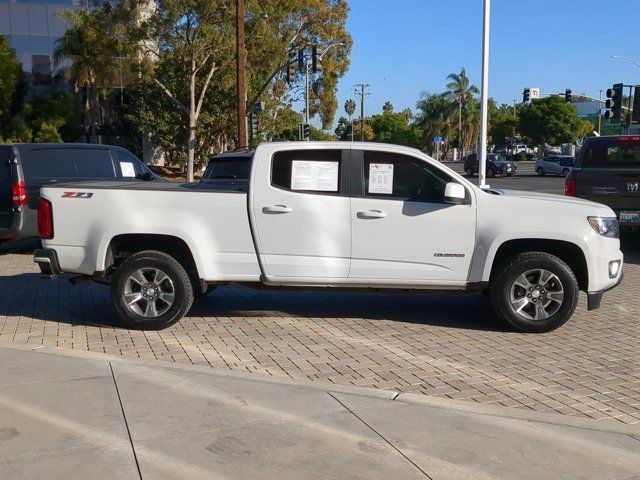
pixel 229 169
pixel 496 165
pixel 331 215
pixel 555 165
pixel 608 171
pixel 24 168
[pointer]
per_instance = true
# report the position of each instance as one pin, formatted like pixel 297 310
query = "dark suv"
pixel 24 168
pixel 496 165
pixel 608 171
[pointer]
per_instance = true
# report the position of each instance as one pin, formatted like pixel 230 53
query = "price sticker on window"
pixel 380 178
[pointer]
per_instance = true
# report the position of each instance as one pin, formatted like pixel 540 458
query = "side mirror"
pixel 455 193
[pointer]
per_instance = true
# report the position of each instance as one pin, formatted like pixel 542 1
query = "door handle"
pixel 277 209
pixel 372 214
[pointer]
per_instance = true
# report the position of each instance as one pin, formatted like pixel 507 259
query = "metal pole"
pixel 600 114
pixel 362 114
pixel 460 127
pixel 306 93
pixel 242 95
pixel 484 96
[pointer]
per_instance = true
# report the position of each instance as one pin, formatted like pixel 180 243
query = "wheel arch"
pixel 124 245
pixel 569 252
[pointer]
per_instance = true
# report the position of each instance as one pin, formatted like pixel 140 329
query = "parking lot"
pixel 441 345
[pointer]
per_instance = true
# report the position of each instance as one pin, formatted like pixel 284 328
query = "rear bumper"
pixel 594 298
pixel 47 260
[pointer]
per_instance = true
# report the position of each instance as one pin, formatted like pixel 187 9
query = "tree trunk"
pixel 193 120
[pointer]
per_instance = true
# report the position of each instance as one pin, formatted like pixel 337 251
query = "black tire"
pixel 509 174
pixel 180 283
pixel 540 171
pixel 491 173
pixel 508 273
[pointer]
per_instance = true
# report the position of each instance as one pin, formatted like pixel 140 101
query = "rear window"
pixel 228 168
pixel 68 163
pixel 615 153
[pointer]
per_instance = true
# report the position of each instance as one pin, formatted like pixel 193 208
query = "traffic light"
pixel 316 60
pixel 291 71
pixel 567 95
pixel 526 95
pixel 304 131
pixel 254 126
pixel 301 60
pixel 614 103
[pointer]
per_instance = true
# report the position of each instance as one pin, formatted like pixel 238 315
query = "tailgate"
pixel 616 188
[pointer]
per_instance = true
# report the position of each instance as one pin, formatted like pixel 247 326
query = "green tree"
pixel 59 109
pixel 343 129
pixel 48 133
pixel 91 49
pixel 462 93
pixel 549 121
pixel 394 128
pixel 10 79
pixel 387 107
pixel 503 125
pixel 350 110
pixel 436 116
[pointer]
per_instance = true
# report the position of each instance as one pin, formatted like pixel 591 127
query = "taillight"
pixel 45 219
pixel 19 193
pixel 570 187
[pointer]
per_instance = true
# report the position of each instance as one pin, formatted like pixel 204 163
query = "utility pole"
pixel 306 91
pixel 484 96
pixel 600 114
pixel 362 94
pixel 242 93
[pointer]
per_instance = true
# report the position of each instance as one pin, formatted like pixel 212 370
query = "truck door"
pixel 301 214
pixel 402 231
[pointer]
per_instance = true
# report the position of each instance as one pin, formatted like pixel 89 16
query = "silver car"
pixel 555 165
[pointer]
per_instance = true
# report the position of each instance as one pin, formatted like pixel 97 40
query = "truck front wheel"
pixel 534 292
pixel 150 290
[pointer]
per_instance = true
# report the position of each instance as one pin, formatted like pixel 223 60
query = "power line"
pixel 361 91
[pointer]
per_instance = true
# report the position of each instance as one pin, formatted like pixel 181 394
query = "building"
pixel 32 28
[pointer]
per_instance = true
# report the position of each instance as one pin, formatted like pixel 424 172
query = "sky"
pixel 404 47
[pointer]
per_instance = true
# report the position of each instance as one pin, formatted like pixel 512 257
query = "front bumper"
pixel 594 298
pixel 47 260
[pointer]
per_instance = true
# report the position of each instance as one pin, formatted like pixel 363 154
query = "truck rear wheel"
pixel 534 292
pixel 150 290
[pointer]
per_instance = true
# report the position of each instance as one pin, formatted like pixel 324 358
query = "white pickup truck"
pixel 331 215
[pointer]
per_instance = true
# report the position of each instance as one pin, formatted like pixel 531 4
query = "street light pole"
pixel 628 59
pixel 484 96
pixel 242 93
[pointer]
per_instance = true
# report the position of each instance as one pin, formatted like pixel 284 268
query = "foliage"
pixel 10 78
pixel 92 49
pixel 368 132
pixel 435 118
pixel 586 129
pixel 549 121
pixel 503 125
pixel 350 107
pixel 343 129
pixel 394 128
pixel 387 107
pixel 48 133
pixel 462 92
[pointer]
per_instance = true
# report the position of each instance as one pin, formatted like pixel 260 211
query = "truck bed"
pixel 229 187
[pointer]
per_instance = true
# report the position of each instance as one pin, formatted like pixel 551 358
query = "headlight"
pixel 605 226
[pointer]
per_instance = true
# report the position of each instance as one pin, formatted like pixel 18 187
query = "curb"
pixel 462 406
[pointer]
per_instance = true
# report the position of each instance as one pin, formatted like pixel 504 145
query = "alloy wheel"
pixel 536 294
pixel 149 292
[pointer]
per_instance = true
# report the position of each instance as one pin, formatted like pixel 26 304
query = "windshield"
pixel 622 152
pixel 228 168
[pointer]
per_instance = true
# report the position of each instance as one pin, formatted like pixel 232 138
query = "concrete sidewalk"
pixel 68 414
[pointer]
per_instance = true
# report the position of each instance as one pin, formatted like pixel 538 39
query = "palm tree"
pixel 435 115
pixel 387 107
pixel 350 109
pixel 92 62
pixel 461 91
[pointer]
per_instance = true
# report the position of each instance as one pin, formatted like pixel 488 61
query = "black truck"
pixel 607 171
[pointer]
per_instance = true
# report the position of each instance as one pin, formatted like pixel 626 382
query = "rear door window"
pixel 309 171
pixel 616 153
pixel 65 163
pixel 93 163
pixel 228 168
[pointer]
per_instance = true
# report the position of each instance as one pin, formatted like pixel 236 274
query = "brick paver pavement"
pixel 447 346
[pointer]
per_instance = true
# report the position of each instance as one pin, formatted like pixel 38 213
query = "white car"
pixel 331 215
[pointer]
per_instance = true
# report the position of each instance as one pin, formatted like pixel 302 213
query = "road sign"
pixel 437 139
pixel 534 92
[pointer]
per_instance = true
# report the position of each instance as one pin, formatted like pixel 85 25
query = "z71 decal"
pixel 77 195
